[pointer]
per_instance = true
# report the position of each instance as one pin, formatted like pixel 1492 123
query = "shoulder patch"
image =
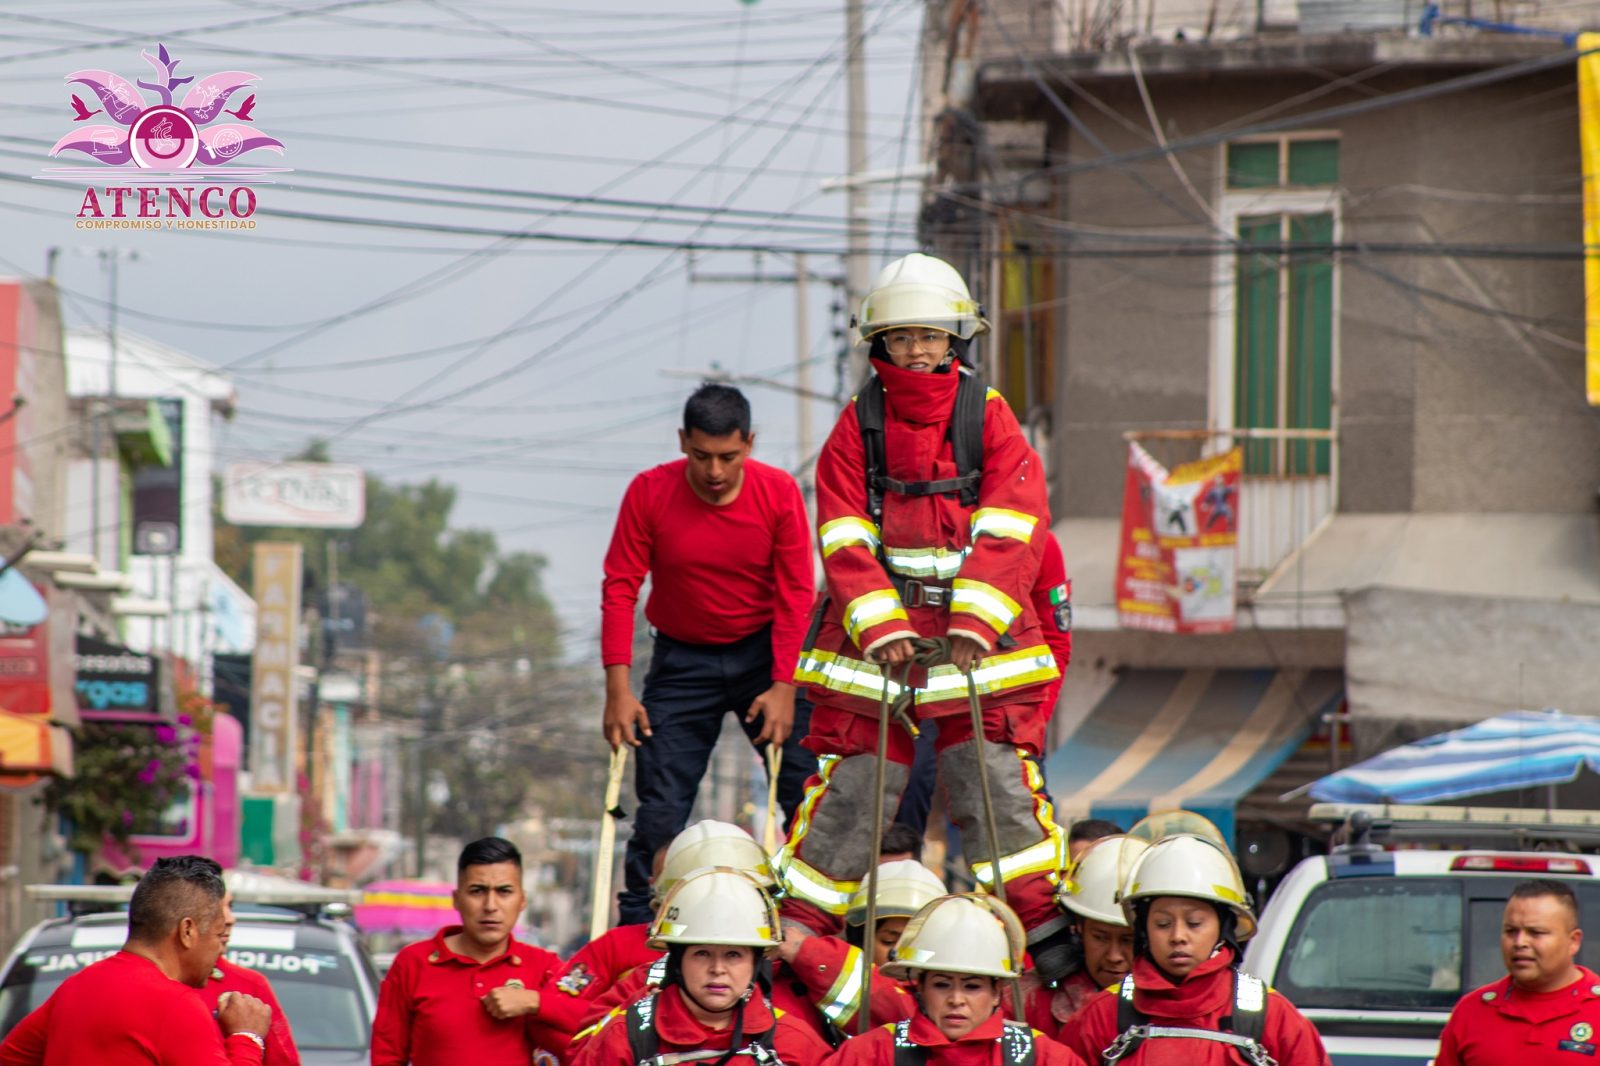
pixel 575 980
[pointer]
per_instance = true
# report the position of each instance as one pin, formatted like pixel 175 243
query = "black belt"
pixel 914 593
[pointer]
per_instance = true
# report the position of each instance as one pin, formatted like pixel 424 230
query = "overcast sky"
pixel 526 372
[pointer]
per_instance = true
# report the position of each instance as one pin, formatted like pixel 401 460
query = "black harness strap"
pixel 1016 1043
pixel 1248 1020
pixel 644 1043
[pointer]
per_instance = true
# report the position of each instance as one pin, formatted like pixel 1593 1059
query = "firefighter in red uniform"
pixel 957 950
pixel 931 524
pixel 1089 893
pixel 1186 1003
pixel 473 992
pixel 139 1007
pixel 827 970
pixel 1546 1010
pixel 615 969
pixel 716 926
pixel 227 977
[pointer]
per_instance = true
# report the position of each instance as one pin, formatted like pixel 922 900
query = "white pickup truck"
pixel 1377 941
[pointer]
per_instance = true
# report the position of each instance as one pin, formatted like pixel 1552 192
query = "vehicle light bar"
pixel 1522 864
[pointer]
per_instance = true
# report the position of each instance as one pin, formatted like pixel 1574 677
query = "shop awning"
pixel 1198 739
pixel 30 747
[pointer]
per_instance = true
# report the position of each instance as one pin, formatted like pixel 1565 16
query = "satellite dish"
pixel 20 602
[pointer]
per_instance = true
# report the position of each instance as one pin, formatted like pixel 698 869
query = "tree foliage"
pixel 495 711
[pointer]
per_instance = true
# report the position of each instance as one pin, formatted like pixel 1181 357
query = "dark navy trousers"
pixel 687 691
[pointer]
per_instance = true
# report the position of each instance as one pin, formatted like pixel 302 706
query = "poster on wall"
pixel 1176 564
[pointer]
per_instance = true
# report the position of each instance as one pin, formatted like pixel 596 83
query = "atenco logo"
pixel 164 137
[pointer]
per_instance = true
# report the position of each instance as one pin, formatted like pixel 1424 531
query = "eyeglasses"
pixel 932 341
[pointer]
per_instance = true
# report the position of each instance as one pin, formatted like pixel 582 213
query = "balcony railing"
pixel 1277 512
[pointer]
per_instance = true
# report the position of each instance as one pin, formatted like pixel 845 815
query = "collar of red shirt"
pixel 926 1032
pixel 676 1026
pixel 1543 1006
pixel 441 953
pixel 1206 990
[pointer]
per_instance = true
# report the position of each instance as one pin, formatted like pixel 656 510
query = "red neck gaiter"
pixel 1205 994
pixel 916 395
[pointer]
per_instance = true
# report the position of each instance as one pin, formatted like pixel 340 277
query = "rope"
pixel 927 652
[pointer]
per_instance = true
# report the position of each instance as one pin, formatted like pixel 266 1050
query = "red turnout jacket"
pixel 985 558
pixel 1200 1001
pixel 677 1030
pixel 980 1047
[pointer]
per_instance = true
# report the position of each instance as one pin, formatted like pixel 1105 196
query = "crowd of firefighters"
pixel 944 615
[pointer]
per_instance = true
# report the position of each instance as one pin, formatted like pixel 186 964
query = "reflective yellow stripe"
pixel 601 1024
pixel 841 1002
pixel 802 819
pixel 991 393
pixel 862 612
pixel 986 602
pixel 1000 522
pixel 1049 856
pixel 941 563
pixel 844 532
pixel 802 882
pixel 995 673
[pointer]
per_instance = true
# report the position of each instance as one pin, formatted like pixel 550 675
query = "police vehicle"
pixel 1375 944
pixel 322 976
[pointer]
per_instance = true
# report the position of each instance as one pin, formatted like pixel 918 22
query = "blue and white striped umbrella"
pixel 1522 749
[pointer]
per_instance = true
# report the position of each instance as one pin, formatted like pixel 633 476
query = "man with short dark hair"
pixel 1546 1010
pixel 1086 831
pixel 726 544
pixel 139 1006
pixel 471 993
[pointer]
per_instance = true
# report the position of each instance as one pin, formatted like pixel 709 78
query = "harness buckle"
pixel 916 593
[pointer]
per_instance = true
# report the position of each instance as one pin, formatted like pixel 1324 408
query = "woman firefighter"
pixel 1186 1002
pixel 932 515
pixel 717 927
pixel 956 952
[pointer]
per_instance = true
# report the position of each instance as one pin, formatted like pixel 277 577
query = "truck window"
pixel 1392 941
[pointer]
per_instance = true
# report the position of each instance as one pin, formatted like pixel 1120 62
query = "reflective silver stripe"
pixel 941 563
pixel 985 601
pixel 842 532
pixel 840 1002
pixel 1002 522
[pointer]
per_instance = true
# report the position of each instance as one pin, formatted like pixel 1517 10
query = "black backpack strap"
pixel 1249 1018
pixel 1017 1046
pixel 907 1053
pixel 870 417
pixel 644 1043
pixel 966 434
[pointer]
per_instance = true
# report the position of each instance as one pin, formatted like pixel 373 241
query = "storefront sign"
pixel 115 682
pixel 272 689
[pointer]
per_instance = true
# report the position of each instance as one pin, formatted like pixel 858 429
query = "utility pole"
pixel 107 413
pixel 804 393
pixel 802 357
pixel 857 268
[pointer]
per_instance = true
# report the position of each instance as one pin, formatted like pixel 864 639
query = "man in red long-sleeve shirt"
pixel 473 993
pixel 726 544
pixel 139 1006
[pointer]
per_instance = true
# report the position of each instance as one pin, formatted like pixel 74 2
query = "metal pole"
pixel 857 267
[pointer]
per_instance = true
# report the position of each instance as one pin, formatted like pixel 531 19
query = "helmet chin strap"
pixel 740 1002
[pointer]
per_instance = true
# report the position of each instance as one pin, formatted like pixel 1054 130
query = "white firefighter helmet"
pixel 969 933
pixel 920 290
pixel 1090 889
pixel 1194 866
pixel 1159 826
pixel 716 906
pixel 905 886
pixel 713 843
